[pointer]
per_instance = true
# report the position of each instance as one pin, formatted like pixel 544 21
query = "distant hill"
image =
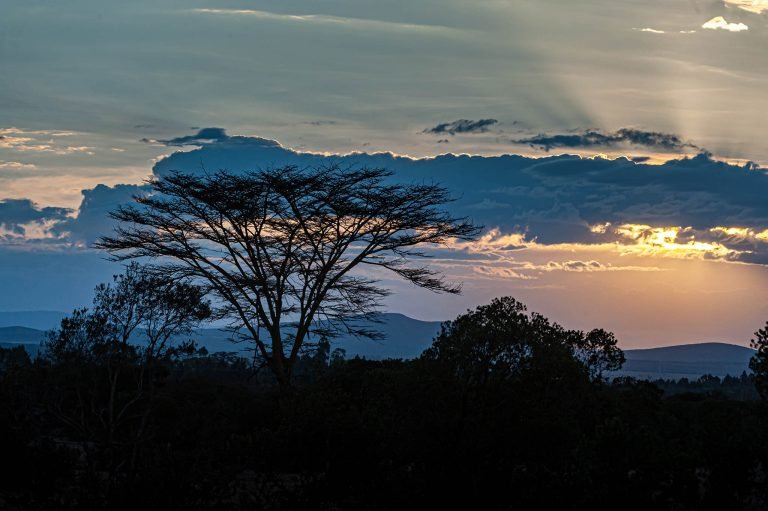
pixel 30 338
pixel 404 337
pixel 40 320
pixel 687 361
pixel 21 335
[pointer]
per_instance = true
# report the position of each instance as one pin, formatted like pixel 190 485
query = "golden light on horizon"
pixel 677 242
pixel 665 241
pixel 742 233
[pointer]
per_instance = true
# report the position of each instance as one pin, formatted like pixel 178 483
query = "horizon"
pixel 213 326
pixel 208 325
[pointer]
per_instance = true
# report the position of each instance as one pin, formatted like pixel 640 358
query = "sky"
pixel 614 151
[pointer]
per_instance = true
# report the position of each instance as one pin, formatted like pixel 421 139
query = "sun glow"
pixel 670 241
pixel 741 233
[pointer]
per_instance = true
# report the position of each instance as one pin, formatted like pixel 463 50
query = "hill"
pixel 30 338
pixel 40 320
pixel 687 361
pixel 404 337
pixel 21 335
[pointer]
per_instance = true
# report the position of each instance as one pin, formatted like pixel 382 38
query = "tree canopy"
pixel 139 310
pixel 499 341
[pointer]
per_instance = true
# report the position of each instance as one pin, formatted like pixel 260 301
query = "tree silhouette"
pixel 759 361
pixel 281 245
pixel 119 344
pixel 499 341
pixel 137 303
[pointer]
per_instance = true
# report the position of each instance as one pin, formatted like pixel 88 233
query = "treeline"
pixel 506 410
pixel 731 387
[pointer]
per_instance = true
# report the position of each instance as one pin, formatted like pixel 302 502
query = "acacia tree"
pixel 282 245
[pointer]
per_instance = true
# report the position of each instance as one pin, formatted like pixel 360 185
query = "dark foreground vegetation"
pixel 506 410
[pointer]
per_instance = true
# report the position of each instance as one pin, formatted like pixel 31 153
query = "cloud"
pixel 656 31
pixel 557 200
pixel 526 270
pixel 41 141
pixel 21 219
pixel 597 138
pixel 691 207
pixel 53 133
pixel 216 137
pixel 321 19
pixel 580 266
pixel 754 6
pixel 15 165
pixel 203 136
pixel 462 126
pixel 92 218
pixel 719 23
pixel 741 234
pixel 506 273
pixel 494 241
pixel 593 266
pixel 517 260
pixel 673 241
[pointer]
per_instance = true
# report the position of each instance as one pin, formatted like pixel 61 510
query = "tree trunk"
pixel 278 363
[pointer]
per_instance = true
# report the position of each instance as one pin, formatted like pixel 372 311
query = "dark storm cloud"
pixel 597 138
pixel 462 126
